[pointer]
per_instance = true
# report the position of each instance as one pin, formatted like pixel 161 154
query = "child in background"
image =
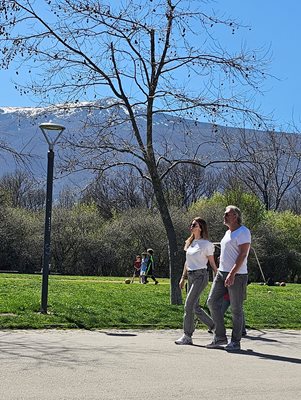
pixel 137 266
pixel 150 266
pixel 143 268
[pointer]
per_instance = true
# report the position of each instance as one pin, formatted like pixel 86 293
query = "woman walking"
pixel 199 250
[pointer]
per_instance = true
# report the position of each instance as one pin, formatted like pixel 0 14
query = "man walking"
pixel 232 275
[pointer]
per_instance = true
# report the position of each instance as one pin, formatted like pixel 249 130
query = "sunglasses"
pixel 228 213
pixel 193 225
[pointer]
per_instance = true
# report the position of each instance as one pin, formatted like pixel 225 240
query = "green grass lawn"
pixel 103 302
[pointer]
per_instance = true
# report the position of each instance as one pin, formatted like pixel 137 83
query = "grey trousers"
pixel 197 281
pixel 226 304
pixel 237 293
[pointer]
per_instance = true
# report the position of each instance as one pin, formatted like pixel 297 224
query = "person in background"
pixel 137 266
pixel 199 250
pixel 150 267
pixel 143 268
pixel 232 275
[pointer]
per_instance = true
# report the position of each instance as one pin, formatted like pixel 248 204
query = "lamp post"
pixel 51 132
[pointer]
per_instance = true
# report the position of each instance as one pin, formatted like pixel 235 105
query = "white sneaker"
pixel 184 340
pixel 217 344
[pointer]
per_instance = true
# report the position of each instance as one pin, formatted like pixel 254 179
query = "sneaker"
pixel 233 346
pixel 184 340
pixel 217 343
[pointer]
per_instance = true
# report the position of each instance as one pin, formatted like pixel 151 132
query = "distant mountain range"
pixel 19 129
pixel 181 137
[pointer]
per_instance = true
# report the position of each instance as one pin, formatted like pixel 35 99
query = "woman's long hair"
pixel 204 232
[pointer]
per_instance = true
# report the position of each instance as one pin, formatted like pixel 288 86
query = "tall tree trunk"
pixel 175 265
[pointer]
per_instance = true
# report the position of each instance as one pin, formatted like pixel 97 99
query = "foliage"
pixel 21 240
pixel 212 209
pixel 84 243
pixel 283 252
pixel 76 243
pixel 288 226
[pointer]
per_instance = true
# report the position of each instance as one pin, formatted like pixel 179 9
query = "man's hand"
pixel 230 279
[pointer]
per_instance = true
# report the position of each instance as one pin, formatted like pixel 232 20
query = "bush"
pixel 131 233
pixel 76 241
pixel 21 240
pixel 83 243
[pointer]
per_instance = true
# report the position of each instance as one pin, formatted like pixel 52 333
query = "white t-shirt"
pixel 197 254
pixel 230 249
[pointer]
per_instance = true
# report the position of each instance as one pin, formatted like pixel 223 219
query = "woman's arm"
pixel 183 277
pixel 212 263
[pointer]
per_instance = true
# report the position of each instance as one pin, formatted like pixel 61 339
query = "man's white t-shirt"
pixel 197 254
pixel 230 249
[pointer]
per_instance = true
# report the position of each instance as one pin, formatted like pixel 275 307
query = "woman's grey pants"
pixel 237 294
pixel 197 281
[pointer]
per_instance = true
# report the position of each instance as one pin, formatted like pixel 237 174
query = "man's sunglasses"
pixel 228 213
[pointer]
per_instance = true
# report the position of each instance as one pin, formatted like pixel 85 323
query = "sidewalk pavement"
pixel 147 365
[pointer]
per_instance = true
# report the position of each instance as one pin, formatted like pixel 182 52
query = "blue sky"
pixel 274 24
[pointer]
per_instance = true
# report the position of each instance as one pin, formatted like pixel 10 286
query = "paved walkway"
pixel 147 365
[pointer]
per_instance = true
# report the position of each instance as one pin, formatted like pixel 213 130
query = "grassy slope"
pixel 96 302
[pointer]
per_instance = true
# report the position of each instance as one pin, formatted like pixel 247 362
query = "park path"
pixel 147 365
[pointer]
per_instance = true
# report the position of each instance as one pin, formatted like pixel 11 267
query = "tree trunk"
pixel 175 265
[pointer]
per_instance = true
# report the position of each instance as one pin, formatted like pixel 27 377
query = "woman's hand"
pixel 182 283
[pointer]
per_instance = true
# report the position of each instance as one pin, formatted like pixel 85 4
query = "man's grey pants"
pixel 237 294
pixel 197 281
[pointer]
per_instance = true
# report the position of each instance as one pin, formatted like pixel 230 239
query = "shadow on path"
pixel 250 352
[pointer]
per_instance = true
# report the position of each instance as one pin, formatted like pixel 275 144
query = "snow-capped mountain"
pixel 19 129
pixel 173 138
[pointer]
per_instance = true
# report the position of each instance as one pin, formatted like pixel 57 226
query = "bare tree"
pixel 19 157
pixel 151 57
pixel 186 183
pixel 115 193
pixel 22 190
pixel 292 201
pixel 273 166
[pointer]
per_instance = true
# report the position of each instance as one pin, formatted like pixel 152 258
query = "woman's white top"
pixel 197 254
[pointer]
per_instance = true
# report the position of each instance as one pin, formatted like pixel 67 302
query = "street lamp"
pixel 51 132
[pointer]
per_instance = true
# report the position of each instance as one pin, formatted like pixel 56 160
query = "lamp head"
pixel 51 132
